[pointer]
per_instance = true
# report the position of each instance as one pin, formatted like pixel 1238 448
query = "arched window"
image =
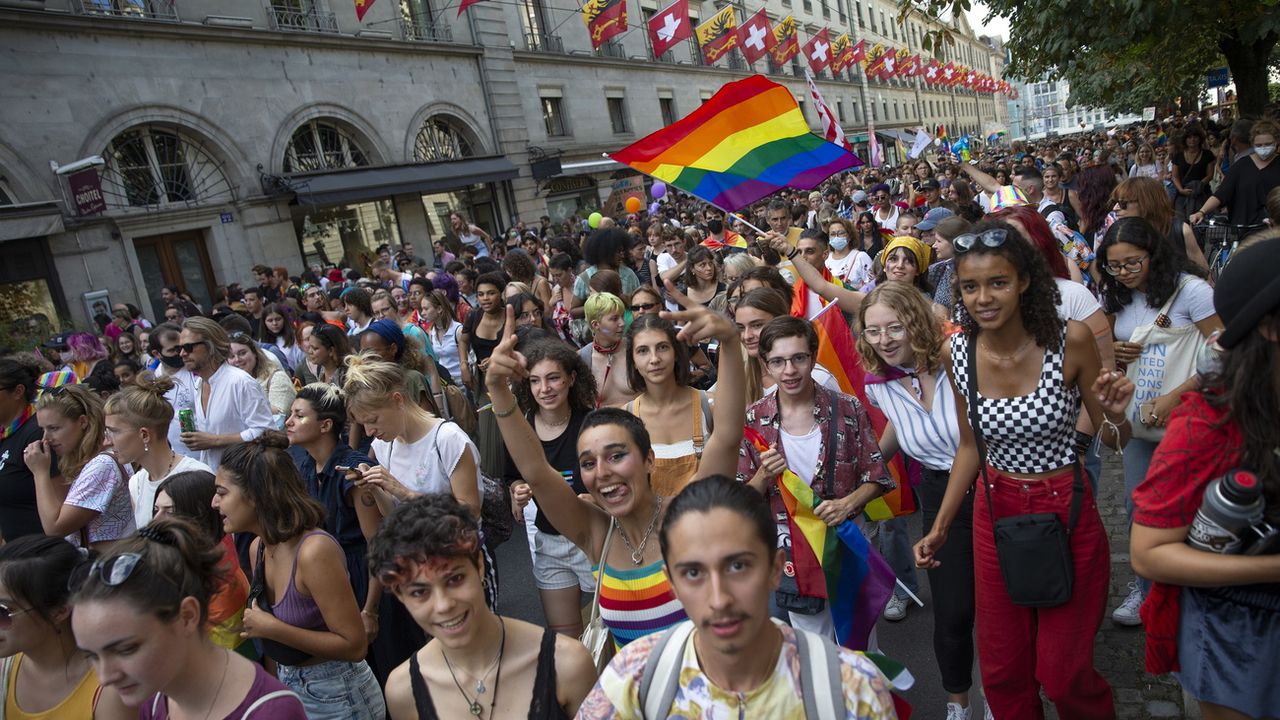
pixel 442 138
pixel 6 195
pixel 160 165
pixel 323 145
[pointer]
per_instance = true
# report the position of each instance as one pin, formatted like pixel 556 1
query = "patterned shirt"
pixel 858 460
pixel 617 693
pixel 102 487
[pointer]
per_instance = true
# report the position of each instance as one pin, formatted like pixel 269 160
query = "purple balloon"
pixel 653 208
pixel 659 189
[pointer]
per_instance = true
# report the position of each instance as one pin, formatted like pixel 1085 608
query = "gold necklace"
pixel 1007 358
pixel 637 553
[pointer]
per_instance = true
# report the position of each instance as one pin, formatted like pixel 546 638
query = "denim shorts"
pixel 336 690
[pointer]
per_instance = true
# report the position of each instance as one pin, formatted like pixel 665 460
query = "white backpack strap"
pixel 820 682
pixel 661 676
pixel 266 699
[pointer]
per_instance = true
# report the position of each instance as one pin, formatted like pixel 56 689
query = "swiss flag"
pixel 670 26
pixel 860 51
pixel 818 51
pixel 917 65
pixel 948 74
pixel 932 73
pixel 755 37
pixel 890 67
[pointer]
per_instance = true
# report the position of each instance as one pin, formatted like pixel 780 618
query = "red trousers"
pixel 1023 649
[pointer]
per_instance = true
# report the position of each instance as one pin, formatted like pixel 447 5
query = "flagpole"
pixel 729 213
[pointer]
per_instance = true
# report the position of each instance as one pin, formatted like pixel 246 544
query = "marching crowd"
pixel 286 504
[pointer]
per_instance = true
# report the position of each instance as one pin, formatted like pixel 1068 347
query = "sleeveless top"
pixel 543 705
pixel 79 704
pixel 293 607
pixel 675 463
pixel 635 603
pixel 1031 433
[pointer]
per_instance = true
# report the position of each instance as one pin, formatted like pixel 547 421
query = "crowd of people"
pixel 286 505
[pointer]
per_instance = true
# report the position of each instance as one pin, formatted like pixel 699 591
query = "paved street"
pixel 1119 650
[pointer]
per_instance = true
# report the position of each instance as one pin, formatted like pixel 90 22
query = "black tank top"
pixel 543 705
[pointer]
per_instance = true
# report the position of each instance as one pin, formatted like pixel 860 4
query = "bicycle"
pixel 1220 241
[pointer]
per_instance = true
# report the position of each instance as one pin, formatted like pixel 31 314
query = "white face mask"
pixel 839 242
pixel 1263 151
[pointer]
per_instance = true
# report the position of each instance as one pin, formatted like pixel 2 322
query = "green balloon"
pixel 594 219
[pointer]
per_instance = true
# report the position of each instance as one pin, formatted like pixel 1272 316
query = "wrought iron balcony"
pixel 612 49
pixel 138 9
pixel 424 30
pixel 668 57
pixel 737 62
pixel 292 19
pixel 542 42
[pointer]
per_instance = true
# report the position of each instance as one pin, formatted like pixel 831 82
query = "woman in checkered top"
pixel 1033 373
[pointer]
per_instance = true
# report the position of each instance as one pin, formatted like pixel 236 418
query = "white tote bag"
pixel 1168 359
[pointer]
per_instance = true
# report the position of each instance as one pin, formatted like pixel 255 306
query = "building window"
pixel 897 115
pixel 155 166
pixel 618 115
pixel 826 10
pixel 553 117
pixel 857 114
pixel 322 145
pixel 441 138
pixel 667 106
pixel 861 22
pixel 871 16
pixel 840 110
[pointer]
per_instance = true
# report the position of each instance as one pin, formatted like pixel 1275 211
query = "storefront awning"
pixel 30 220
pixel 589 166
pixel 349 185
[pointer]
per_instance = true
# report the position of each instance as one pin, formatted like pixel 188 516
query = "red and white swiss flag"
pixel 669 27
pixel 755 37
pixel 818 51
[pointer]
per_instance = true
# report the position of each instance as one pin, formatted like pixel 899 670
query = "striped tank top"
pixel 635 603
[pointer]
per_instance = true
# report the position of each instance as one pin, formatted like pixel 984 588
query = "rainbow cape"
pixel 839 355
pixel 748 141
pixel 836 563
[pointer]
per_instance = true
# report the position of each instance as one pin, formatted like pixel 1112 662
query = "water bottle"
pixel 1232 504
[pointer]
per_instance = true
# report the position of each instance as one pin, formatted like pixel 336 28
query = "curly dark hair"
pixel 582 396
pixel 429 527
pixel 656 323
pixel 606 247
pixel 1164 266
pixel 1038 303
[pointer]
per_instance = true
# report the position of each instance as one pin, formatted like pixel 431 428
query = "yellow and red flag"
pixel 362 7
pixel 605 19
pixel 787 41
pixel 718 35
pixel 841 53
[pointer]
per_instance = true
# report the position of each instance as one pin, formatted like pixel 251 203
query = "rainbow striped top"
pixel 635 603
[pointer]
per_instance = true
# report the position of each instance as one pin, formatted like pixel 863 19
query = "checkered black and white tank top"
pixel 1031 433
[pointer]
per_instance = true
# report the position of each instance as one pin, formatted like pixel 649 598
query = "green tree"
pixel 1127 54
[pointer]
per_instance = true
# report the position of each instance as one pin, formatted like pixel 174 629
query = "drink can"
pixel 187 419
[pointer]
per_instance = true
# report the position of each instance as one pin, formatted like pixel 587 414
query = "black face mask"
pixel 173 361
pixel 715 227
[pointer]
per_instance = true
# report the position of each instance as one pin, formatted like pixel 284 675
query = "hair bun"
pixel 273 439
pixel 153 383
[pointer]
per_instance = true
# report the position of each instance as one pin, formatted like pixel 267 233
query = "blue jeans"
pixel 336 690
pixel 895 545
pixel 1137 459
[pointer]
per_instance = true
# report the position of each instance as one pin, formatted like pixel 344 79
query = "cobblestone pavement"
pixel 1119 650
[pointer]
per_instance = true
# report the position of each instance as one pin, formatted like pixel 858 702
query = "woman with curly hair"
pixel 701 277
pixel 1027 363
pixel 521 268
pixel 1140 274
pixel 901 349
pixel 555 398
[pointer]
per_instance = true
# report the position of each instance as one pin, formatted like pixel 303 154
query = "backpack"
pixel 821 686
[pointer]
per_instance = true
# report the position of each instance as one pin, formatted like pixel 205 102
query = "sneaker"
pixel 955 712
pixel 896 609
pixel 1127 613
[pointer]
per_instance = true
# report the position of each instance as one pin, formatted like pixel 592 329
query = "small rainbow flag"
pixel 836 563
pixel 748 141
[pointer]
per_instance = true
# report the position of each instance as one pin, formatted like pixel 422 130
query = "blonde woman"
pixel 137 423
pixel 86 498
pixel 247 355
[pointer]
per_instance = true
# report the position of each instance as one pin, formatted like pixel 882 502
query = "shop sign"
pixel 569 184
pixel 86 189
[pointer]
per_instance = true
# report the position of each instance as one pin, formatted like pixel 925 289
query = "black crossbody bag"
pixel 1034 550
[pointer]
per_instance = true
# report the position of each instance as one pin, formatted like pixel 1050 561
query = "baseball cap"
pixel 933 217
pixel 931 184
pixel 859 197
pixel 58 342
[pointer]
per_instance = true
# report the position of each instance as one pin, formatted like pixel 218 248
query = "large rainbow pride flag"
pixel 748 141
pixel 836 563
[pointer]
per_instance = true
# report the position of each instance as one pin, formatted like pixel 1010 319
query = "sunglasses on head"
pixel 113 571
pixel 992 238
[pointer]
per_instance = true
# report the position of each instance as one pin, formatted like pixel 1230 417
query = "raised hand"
pixel 699 323
pixel 506 363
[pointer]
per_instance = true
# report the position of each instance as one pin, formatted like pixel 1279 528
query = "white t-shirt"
pixel 425 466
pixel 854 268
pixel 665 262
pixel 1077 302
pixel 142 489
pixel 802 452
pixel 1193 304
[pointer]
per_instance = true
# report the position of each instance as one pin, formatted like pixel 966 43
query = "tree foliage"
pixel 1123 55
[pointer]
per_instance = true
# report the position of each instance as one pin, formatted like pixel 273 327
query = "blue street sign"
pixel 226 217
pixel 1217 77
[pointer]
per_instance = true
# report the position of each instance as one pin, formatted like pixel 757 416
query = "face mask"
pixel 173 362
pixel 839 242
pixel 1263 151
pixel 715 226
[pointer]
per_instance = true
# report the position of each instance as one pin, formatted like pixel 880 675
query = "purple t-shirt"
pixel 281 705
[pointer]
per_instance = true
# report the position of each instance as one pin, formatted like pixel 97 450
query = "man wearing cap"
pixel 932 191
pixel 54 348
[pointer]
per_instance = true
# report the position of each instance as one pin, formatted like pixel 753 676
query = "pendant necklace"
pixel 473 705
pixel 637 553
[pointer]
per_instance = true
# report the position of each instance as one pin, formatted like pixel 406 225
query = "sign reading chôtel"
pixel 86 188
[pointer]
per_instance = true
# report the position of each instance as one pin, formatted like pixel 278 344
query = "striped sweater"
pixel 635 603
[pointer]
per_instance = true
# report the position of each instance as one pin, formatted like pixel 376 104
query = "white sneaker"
pixel 1127 613
pixel 955 712
pixel 896 609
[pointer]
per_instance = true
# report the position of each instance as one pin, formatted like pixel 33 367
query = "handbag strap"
pixel 1077 482
pixel 604 555
pixel 829 459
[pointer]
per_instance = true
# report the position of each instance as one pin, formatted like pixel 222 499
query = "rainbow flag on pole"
pixel 836 563
pixel 748 141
